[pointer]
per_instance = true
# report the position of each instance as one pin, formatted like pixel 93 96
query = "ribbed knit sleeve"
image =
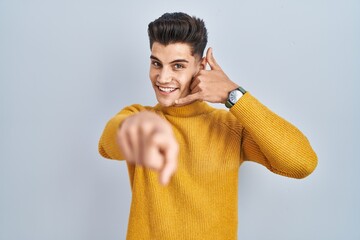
pixel 108 146
pixel 272 141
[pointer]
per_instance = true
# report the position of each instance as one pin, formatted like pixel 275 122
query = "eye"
pixel 178 66
pixel 155 64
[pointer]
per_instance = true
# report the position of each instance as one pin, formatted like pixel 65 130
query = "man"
pixel 191 148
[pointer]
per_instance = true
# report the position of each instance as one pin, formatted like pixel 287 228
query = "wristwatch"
pixel 234 96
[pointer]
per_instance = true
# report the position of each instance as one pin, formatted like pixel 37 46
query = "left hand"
pixel 209 85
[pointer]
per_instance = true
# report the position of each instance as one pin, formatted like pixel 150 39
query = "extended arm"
pixel 142 138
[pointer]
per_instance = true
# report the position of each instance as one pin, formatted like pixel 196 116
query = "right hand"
pixel 146 139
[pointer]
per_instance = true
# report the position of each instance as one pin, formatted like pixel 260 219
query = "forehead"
pixel 172 51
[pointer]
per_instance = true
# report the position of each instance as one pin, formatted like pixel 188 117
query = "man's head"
pixel 179 28
pixel 177 43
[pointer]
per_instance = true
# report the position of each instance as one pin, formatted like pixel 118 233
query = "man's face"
pixel 172 69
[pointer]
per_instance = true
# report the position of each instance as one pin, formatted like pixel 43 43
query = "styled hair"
pixel 179 27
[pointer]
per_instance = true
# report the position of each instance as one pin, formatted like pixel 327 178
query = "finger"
pixel 194 83
pixel 171 153
pixel 211 60
pixel 188 99
pixel 196 89
pixel 152 157
pixel 145 131
pixel 132 136
pixel 164 149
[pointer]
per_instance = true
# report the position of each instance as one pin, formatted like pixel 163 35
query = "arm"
pixel 266 138
pixel 108 146
pixel 272 141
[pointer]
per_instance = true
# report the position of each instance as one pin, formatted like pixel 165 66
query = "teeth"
pixel 166 89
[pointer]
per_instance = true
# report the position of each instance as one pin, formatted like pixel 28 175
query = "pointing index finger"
pixel 170 165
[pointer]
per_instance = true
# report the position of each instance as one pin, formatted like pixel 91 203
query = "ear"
pixel 203 63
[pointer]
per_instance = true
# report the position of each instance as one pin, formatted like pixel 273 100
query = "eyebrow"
pixel 175 61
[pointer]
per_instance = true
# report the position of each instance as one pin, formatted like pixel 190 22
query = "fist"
pixel 146 139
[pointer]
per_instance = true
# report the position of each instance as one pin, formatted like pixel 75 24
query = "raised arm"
pixel 272 141
pixel 266 138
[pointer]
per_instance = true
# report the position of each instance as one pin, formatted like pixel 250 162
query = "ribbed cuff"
pixel 108 146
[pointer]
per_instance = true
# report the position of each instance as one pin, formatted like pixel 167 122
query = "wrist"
pixel 230 87
pixel 234 96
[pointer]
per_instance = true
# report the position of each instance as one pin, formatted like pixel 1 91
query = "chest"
pixel 207 147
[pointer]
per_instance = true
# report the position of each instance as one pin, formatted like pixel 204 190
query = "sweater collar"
pixel 190 110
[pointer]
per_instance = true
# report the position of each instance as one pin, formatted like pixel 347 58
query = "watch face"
pixel 234 96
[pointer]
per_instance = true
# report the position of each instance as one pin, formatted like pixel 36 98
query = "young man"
pixel 183 156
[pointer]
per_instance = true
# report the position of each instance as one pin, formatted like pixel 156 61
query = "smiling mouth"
pixel 166 89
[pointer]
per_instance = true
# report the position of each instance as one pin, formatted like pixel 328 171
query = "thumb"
pixel 211 60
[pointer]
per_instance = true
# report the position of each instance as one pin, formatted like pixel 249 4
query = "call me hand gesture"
pixel 209 85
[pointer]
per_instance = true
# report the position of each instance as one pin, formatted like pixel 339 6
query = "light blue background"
pixel 66 67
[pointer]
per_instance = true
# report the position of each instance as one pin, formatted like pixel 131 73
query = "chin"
pixel 166 103
pixel 167 100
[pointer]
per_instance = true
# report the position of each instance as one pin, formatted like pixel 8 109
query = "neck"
pixel 189 110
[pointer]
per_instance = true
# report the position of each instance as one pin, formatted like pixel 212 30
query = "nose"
pixel 164 76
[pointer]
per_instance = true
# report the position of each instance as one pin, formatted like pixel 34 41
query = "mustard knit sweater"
pixel 201 199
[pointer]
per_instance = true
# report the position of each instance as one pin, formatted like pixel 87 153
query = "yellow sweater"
pixel 201 199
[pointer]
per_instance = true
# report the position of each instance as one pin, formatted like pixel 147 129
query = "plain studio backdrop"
pixel 66 67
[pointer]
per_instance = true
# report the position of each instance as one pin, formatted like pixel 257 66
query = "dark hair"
pixel 179 27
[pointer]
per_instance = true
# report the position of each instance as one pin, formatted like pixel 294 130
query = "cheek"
pixel 152 75
pixel 182 80
pixel 186 78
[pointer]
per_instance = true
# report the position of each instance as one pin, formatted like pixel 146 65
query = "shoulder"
pixel 221 115
pixel 135 108
pixel 225 119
